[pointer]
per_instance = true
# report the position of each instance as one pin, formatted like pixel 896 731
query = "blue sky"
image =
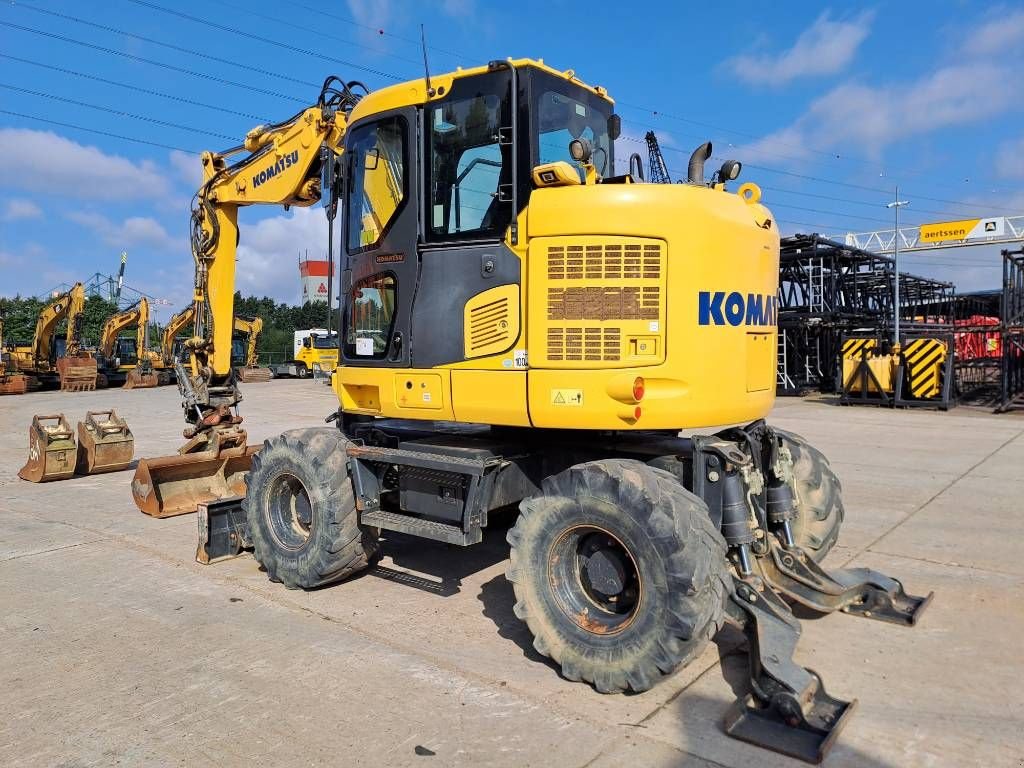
pixel 829 107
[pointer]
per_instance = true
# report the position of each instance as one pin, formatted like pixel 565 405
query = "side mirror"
pixel 614 127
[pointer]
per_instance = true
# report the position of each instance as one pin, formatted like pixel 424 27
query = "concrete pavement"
pixel 117 649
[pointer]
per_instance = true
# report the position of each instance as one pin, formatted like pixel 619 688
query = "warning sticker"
pixel 569 397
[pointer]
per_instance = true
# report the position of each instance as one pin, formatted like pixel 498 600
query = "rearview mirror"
pixel 614 127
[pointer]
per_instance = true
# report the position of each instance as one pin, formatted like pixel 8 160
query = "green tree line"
pixel 280 321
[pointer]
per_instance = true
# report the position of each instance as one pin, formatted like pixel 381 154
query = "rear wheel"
pixel 819 499
pixel 301 510
pixel 618 572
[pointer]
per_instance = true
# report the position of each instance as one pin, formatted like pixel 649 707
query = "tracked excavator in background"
pixel 117 358
pixel 247 364
pixel 70 367
pixel 523 330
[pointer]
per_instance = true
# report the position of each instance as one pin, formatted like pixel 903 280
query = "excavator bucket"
pixel 105 444
pixel 14 384
pixel 51 450
pixel 253 374
pixel 77 374
pixel 176 485
pixel 139 379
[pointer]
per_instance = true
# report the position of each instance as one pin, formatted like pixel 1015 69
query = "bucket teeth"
pixel 51 450
pixel 105 443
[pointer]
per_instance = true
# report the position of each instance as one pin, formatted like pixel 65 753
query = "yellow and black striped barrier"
pixel 918 373
pixel 924 360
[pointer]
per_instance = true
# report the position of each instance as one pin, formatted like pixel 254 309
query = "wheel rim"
pixel 289 510
pixel 595 580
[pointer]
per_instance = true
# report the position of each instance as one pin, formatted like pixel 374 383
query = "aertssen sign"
pixel 966 229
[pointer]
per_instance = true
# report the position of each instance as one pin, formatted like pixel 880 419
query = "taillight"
pixel 638 388
pixel 636 413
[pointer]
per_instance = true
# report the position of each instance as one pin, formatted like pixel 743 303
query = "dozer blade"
pixel 77 374
pixel 254 374
pixel 105 444
pixel 136 379
pixel 51 450
pixel 176 485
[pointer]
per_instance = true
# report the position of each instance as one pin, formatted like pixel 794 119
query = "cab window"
pixel 377 180
pixel 469 167
pixel 370 317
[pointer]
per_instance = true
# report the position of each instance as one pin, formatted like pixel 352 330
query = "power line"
pixel 120 112
pixel 139 89
pixel 75 127
pixel 260 38
pixel 170 67
pixel 318 32
pixel 170 46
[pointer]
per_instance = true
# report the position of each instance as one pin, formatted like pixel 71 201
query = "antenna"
pixel 426 69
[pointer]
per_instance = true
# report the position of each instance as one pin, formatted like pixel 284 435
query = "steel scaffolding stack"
pixel 828 291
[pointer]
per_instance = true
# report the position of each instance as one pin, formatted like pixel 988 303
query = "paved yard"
pixel 117 649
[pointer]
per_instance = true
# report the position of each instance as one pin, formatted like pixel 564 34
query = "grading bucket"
pixel 105 444
pixel 51 450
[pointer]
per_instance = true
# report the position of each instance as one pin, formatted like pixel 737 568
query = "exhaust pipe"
pixel 695 169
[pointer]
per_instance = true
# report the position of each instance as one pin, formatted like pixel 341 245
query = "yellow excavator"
pixel 247 366
pixel 120 361
pixel 50 362
pixel 524 331
pixel 171 346
pixel 11 382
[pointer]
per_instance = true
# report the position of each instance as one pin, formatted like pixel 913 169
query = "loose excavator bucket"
pixel 14 384
pixel 139 379
pixel 253 374
pixel 51 450
pixel 176 485
pixel 105 444
pixel 77 374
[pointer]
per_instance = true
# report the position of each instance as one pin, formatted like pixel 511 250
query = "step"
pixel 416 526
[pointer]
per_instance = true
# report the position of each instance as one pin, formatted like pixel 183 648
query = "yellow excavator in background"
pixel 11 382
pixel 171 346
pixel 247 367
pixel 523 330
pixel 52 363
pixel 119 360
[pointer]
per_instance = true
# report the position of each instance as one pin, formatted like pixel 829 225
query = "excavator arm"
pixel 70 305
pixel 277 164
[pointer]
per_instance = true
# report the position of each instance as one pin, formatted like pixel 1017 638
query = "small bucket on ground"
pixel 51 450
pixel 77 374
pixel 105 443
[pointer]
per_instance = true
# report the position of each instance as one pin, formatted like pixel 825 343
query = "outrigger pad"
pixel 788 710
pixel 223 530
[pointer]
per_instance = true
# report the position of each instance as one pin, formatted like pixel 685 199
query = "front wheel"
pixel 301 510
pixel 618 572
pixel 301 370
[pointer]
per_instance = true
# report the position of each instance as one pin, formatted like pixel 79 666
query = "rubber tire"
pixel 819 497
pixel 337 546
pixel 679 555
pixel 301 371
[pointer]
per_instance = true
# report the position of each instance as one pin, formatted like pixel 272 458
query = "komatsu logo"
pixel 721 308
pixel 272 170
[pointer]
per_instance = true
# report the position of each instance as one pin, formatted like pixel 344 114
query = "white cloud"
pixel 824 48
pixel 188 167
pixel 268 252
pixel 1010 159
pixel 870 117
pixel 19 208
pixel 1000 34
pixel 45 162
pixel 133 232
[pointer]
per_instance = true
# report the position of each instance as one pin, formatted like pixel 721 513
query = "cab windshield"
pixel 326 342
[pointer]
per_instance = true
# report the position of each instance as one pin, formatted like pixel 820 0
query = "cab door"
pixel 381 261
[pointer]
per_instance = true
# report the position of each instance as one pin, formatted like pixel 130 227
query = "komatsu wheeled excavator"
pixel 522 329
